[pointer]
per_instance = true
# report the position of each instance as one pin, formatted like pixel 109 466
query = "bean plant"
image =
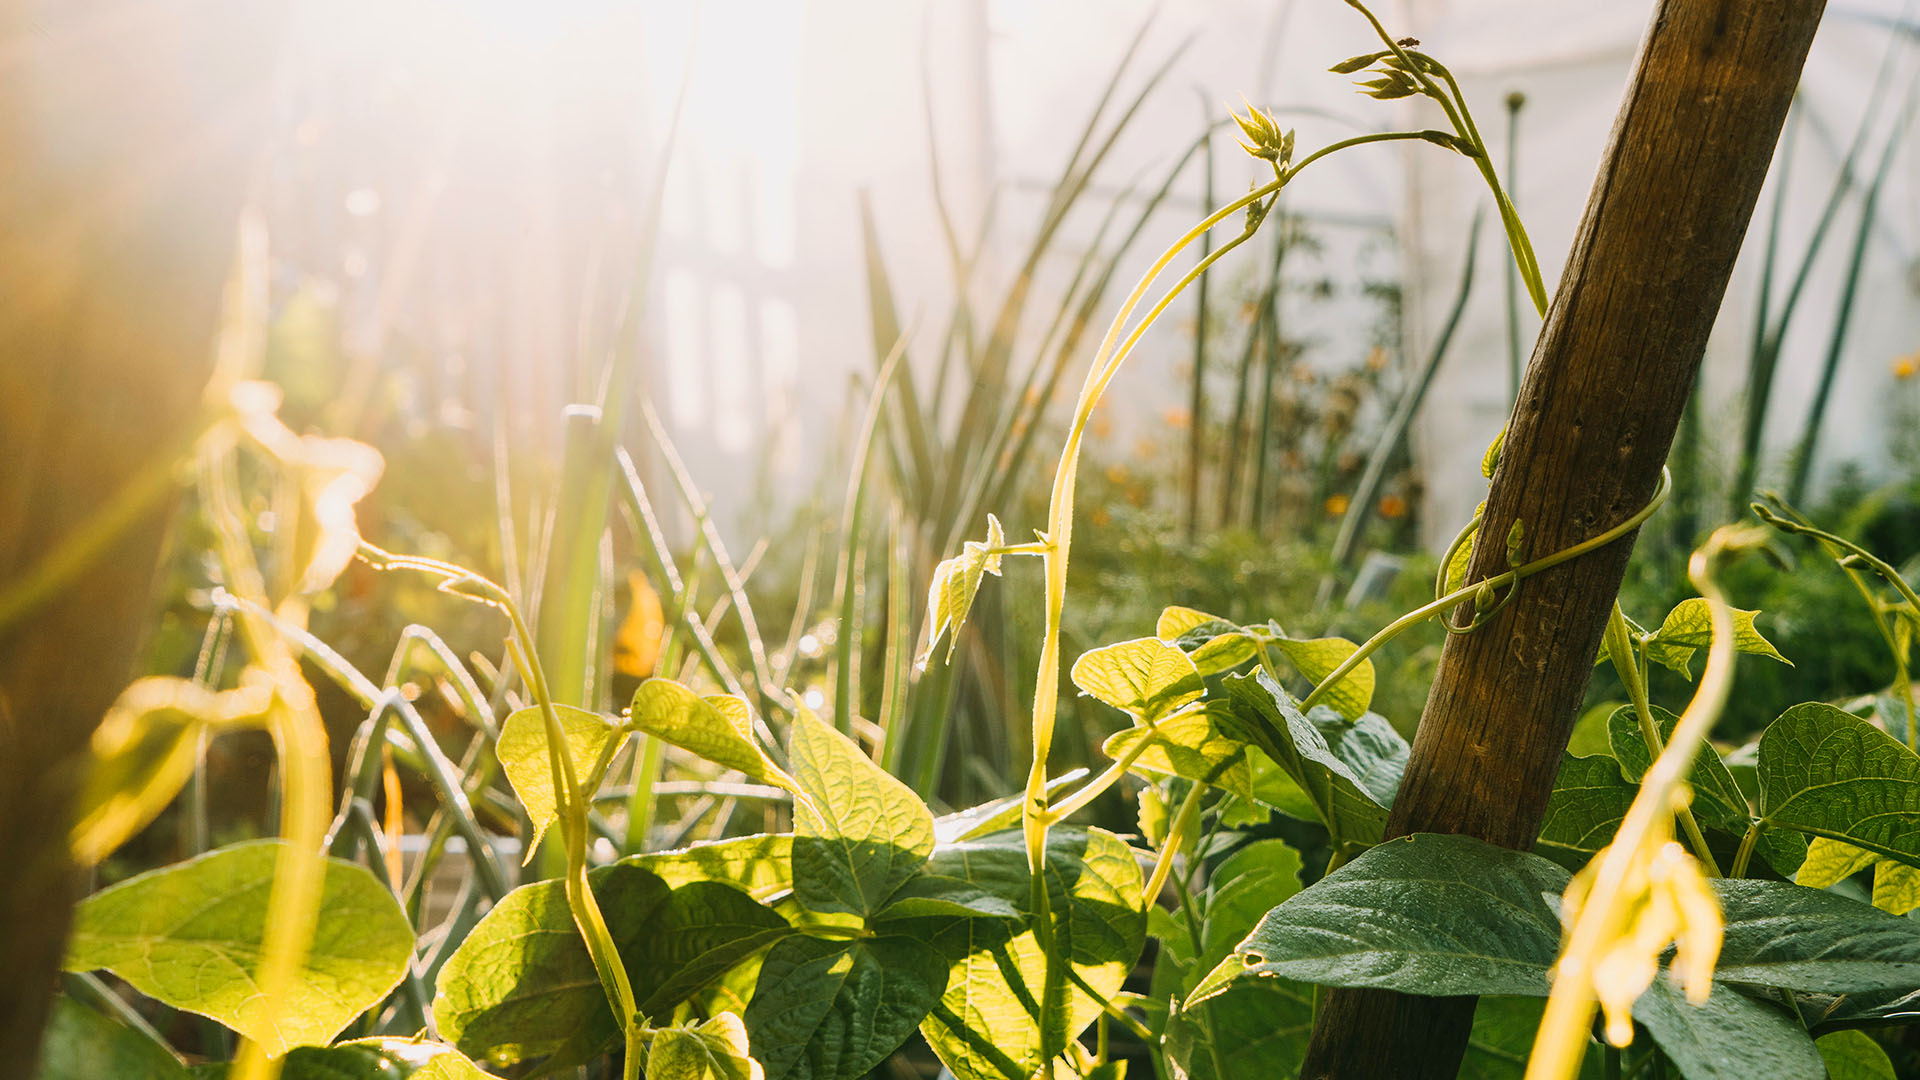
pixel 1009 936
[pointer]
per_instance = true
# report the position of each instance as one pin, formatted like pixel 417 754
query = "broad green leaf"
pixel 956 581
pixel 713 1050
pixel 522 984
pixel 1688 627
pixel 1462 560
pixel 529 767
pixel 1783 849
pixel 1831 861
pixel 1779 934
pixel 1731 1037
pixel 1590 731
pixel 718 728
pixel 1273 722
pixel 760 865
pixel 1259 1028
pixel 144 750
pixel 1896 887
pixel 1145 677
pixel 1369 746
pixel 1191 745
pixel 832 1010
pixel 1717 800
pixel 987 1024
pixel 1853 1055
pixel 1589 799
pixel 1828 773
pixel 1212 643
pixel 1245 886
pixel 189 935
pixel 1430 914
pixel 380 1059
pixel 865 833
pixel 81 1044
pixel 939 890
pixel 1317 658
pixel 1273 788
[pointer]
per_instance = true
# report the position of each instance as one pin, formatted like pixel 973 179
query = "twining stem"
pixel 1498 581
pixel 1620 650
pixel 568 800
pixel 1745 855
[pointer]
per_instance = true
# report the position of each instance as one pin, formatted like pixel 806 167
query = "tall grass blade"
pixel 1197 397
pixel 848 587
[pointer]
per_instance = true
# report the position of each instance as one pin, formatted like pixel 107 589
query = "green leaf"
pixel 1462 558
pixel 1191 745
pixel 1430 914
pixel 523 755
pixel 718 728
pixel 1369 746
pixel 81 1044
pixel 831 1010
pixel 1214 644
pixel 1853 1055
pixel 1829 862
pixel 1502 1039
pixel 1828 773
pixel 865 833
pixel 380 1059
pixel 941 890
pixel 189 935
pixel 1779 934
pixel 143 752
pixel 998 814
pixel 1717 800
pixel 760 865
pixel 1589 799
pixel 1317 658
pixel 1257 1029
pixel 956 581
pixel 987 1024
pixel 1731 1037
pixel 1896 887
pixel 1689 627
pixel 522 984
pixel 714 1050
pixel 1145 677
pixel 1273 722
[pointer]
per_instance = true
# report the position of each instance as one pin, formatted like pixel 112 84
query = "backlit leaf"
pixel 832 1010
pixel 1317 658
pixel 1688 628
pixel 760 865
pixel 380 1059
pixel 865 833
pixel 189 935
pixel 1274 723
pixel 955 583
pixel 1189 745
pixel 1828 773
pixel 713 1050
pixel 1146 677
pixel 718 728
pixel 1853 1055
pixel 529 767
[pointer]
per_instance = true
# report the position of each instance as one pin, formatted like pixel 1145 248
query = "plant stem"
pixel 1620 651
pixel 1176 833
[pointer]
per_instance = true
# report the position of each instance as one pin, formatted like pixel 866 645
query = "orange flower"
pixel 1393 506
pixel 1117 474
pixel 1337 504
pixel 1099 516
pixel 1906 366
pixel 1377 359
pixel 1175 419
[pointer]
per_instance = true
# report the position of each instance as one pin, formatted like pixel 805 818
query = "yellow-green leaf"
pixel 956 581
pixel 714 1050
pixel 1145 677
pixel 718 728
pixel 1189 745
pixel 1317 658
pixel 1689 627
pixel 529 767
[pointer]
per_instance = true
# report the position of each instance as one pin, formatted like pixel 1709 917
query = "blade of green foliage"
pixel 1826 772
pixel 1212 643
pixel 523 757
pixel 1192 745
pixel 987 1023
pixel 713 1050
pixel 144 751
pixel 718 728
pixel 1589 799
pixel 991 817
pixel 1369 746
pixel 1482 920
pixel 1805 939
pixel 1146 677
pixel 1896 887
pixel 1731 1037
pixel 1688 628
pixel 522 984
pixel 759 865
pixel 380 1059
pixel 1274 723
pixel 955 583
pixel 189 935
pixel 81 1044
pixel 832 1010
pixel 865 833
pixel 1717 800
pixel 1318 657
pixel 1853 1055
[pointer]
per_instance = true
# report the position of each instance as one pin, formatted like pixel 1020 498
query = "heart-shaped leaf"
pixel 1146 677
pixel 1271 720
pixel 523 756
pixel 713 1050
pixel 718 728
pixel 1826 772
pixel 864 833
pixel 832 1010
pixel 1318 658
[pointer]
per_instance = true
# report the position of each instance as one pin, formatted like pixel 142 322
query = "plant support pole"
pixel 1596 414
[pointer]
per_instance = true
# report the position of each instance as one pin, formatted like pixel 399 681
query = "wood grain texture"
pixel 1596 415
pixel 127 130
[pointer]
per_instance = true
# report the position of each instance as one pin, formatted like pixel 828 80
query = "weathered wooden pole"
pixel 1596 414
pixel 127 132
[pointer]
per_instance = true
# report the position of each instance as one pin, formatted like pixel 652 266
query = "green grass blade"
pixel 1197 397
pixel 847 588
